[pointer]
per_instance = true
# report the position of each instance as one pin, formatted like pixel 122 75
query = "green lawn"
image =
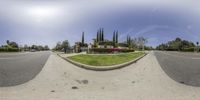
pixel 105 60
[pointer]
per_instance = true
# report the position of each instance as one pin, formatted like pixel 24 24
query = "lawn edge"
pixel 101 68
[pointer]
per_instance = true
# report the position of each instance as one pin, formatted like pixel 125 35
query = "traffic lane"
pixel 20 68
pixel 189 55
pixel 12 54
pixel 183 69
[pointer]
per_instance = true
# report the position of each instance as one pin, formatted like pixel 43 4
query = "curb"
pixel 101 68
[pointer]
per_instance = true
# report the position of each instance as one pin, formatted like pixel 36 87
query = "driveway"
pixel 60 80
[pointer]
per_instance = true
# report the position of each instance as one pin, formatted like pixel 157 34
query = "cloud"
pixel 19 20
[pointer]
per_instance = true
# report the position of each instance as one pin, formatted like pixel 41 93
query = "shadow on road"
pixel 181 67
pixel 19 68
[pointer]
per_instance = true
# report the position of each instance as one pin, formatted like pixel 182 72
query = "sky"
pixel 46 22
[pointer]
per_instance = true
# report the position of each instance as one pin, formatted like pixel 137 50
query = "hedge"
pixel 109 50
pixel 191 49
pixel 9 50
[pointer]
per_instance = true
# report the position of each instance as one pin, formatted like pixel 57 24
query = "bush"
pixel 9 50
pixel 191 49
pixel 127 50
pixel 109 50
pixel 100 50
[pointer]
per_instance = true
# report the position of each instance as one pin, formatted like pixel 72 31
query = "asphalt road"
pixel 18 68
pixel 181 67
pixel 61 80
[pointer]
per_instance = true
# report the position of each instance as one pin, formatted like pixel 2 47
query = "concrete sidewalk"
pixel 60 80
pixel 62 54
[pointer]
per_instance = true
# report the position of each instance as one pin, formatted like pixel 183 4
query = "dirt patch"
pixel 74 87
pixel 85 81
pixel 82 81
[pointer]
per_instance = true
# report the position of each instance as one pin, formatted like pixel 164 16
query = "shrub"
pixel 100 50
pixel 191 49
pixel 9 49
pixel 109 50
pixel 127 50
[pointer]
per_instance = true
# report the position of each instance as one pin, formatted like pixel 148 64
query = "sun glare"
pixel 42 13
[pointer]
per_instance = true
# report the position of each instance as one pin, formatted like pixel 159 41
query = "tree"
pixel 102 34
pixel 97 38
pixel 39 48
pixel 134 43
pixel 177 45
pixel 142 41
pixel 65 45
pixel 13 44
pixel 83 38
pixel 34 47
pixel 58 46
pixel 46 47
pixel 8 42
pixel 162 47
pixel 26 48
pixel 99 35
pixel 128 40
pixel 116 37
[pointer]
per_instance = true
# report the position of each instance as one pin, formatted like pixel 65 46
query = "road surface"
pixel 18 68
pixel 60 80
pixel 181 66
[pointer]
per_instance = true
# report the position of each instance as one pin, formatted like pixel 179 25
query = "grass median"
pixel 106 60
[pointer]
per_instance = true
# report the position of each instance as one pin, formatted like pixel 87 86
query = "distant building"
pixel 80 47
pixel 102 44
pixel 123 46
pixel 105 44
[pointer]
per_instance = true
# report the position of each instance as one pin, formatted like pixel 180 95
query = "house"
pixel 123 46
pixel 105 44
pixel 80 47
